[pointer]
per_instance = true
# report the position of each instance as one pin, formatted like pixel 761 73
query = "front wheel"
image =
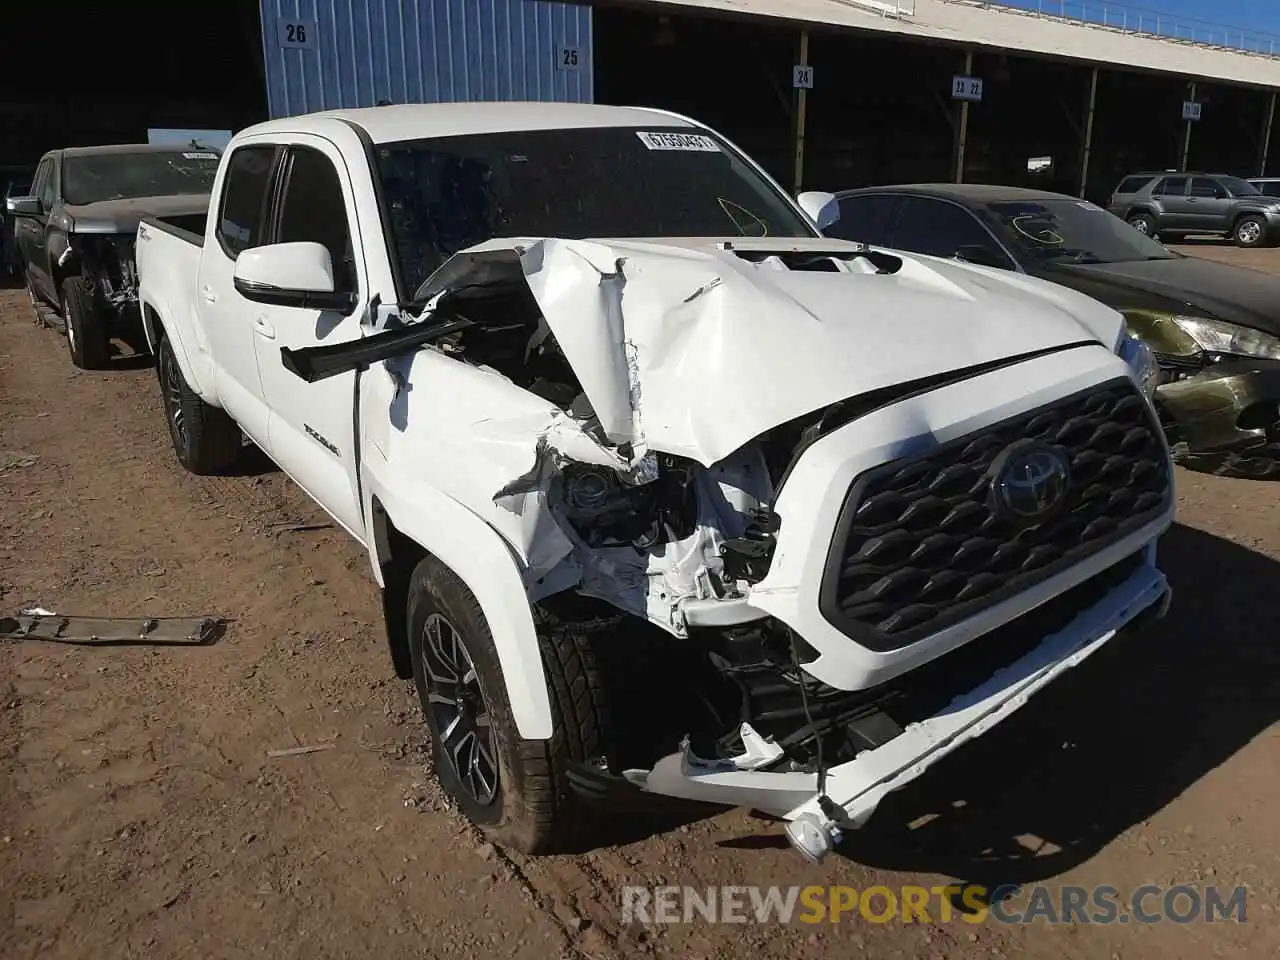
pixel 1250 231
pixel 515 790
pixel 87 339
pixel 206 440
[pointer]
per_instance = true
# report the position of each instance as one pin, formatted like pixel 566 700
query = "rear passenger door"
pixel 1175 212
pixel 311 430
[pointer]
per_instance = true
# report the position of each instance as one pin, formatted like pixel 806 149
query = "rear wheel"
pixel 87 338
pixel 1144 223
pixel 515 790
pixel 206 440
pixel 1250 231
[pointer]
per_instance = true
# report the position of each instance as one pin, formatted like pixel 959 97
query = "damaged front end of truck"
pixel 769 490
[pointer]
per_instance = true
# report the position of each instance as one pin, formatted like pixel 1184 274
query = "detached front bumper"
pixel 854 789
pixel 1231 406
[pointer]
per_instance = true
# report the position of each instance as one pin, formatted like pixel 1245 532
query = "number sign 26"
pixel 297 34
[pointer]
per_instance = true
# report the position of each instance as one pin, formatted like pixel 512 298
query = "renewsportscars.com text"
pixel 1064 904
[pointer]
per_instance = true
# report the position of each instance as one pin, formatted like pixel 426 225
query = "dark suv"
pixel 1169 205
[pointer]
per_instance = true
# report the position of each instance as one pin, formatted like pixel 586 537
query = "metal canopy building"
pixel 826 93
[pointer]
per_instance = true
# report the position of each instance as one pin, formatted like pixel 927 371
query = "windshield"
pixel 1239 188
pixel 444 195
pixel 1073 231
pixel 92 178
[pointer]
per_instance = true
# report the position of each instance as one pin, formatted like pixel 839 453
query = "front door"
pixel 311 433
pixel 29 233
pixel 1210 205
pixel 227 317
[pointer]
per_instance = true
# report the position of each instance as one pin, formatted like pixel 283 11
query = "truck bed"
pixel 184 226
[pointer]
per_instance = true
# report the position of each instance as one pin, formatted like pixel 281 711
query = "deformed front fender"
pixel 472 549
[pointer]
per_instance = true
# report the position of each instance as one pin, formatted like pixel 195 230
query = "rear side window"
pixel 1204 187
pixel 244 196
pixel 1171 187
pixel 864 219
pixel 1133 184
pixel 314 210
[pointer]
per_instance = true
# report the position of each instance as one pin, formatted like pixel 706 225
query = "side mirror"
pixel 981 256
pixel 822 208
pixel 290 275
pixel 23 206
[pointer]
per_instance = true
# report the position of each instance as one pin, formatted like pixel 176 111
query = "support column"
pixel 962 130
pixel 1088 131
pixel 1186 133
pixel 802 104
pixel 1266 134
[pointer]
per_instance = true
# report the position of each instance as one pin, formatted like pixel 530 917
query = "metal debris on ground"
pixel 299 751
pixel 38 624
pixel 290 526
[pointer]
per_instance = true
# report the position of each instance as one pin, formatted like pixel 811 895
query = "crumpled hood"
pixel 696 347
pixel 123 216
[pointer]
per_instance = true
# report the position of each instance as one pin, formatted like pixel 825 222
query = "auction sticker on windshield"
pixel 678 141
pixel 199 156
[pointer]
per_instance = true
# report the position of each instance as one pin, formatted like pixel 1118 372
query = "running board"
pixel 109 631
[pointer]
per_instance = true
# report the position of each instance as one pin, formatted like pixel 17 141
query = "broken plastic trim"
pixel 318 363
pixel 112 631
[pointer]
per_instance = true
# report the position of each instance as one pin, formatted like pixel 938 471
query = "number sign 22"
pixel 297 34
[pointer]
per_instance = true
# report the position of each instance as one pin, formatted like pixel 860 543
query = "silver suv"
pixel 1173 204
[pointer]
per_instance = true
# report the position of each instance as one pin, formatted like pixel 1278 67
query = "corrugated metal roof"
pixel 973 24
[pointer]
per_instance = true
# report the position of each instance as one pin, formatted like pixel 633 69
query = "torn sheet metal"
pixel 688 348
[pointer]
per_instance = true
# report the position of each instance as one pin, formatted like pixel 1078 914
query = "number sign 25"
pixel 297 34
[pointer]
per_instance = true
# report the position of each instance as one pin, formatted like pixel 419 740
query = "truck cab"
pixel 666 493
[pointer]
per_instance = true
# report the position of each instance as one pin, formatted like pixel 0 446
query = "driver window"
pixel 939 228
pixel 44 185
pixel 1204 187
pixel 314 209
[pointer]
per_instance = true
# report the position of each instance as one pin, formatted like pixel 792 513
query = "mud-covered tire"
pixel 532 809
pixel 88 340
pixel 206 440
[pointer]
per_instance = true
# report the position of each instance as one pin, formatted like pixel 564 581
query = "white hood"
pixel 688 348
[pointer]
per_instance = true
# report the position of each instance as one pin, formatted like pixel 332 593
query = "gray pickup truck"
pixel 74 233
pixel 1172 204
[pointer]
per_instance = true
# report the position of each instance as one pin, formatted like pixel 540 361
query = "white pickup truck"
pixel 666 493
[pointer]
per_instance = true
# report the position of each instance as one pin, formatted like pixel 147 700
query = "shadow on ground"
pixel 1109 744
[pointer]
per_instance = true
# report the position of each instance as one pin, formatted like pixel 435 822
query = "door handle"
pixel 263 328
pixel 208 294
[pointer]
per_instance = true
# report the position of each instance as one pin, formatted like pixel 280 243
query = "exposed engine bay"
pixel 106 262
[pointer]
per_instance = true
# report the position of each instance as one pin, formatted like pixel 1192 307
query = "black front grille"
pixel 919 548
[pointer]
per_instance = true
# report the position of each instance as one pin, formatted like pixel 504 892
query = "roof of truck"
pixel 415 121
pixel 127 148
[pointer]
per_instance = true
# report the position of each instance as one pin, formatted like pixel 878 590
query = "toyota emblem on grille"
pixel 1029 482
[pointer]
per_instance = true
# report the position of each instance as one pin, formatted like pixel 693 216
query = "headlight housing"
pixel 1218 336
pixel 1141 362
